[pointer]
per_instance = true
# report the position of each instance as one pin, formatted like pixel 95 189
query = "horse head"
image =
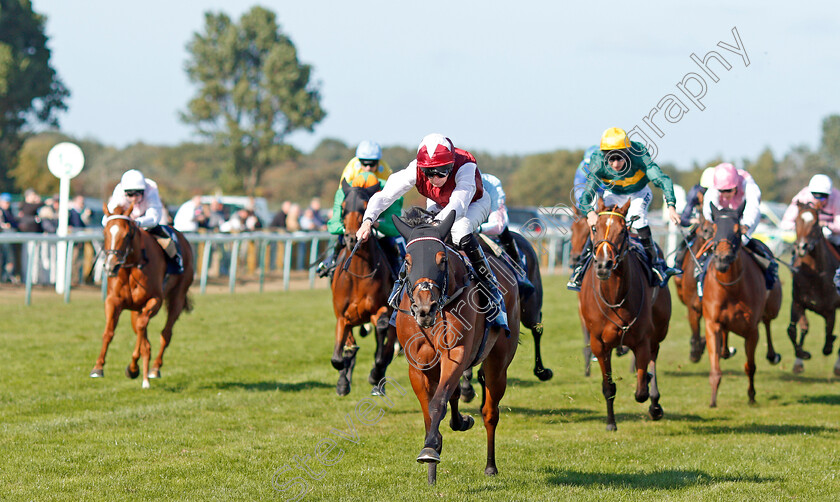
pixel 426 262
pixel 726 240
pixel 353 209
pixel 610 236
pixel 808 231
pixel 119 233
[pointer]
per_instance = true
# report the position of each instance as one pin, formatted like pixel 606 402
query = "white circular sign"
pixel 65 160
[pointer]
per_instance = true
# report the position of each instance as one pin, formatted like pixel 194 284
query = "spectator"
pixel 279 220
pixel 318 218
pixel 78 216
pixel 293 218
pixel 242 221
pixel 308 222
pixel 217 215
pixel 48 216
pixel 28 220
pixel 191 216
pixel 8 252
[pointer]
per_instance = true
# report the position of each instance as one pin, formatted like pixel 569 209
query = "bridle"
pixel 443 298
pixel 121 254
pixel 736 245
pixel 620 249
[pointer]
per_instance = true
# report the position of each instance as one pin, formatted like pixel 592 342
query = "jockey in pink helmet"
pixel 731 189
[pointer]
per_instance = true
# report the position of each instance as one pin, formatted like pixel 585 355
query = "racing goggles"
pixel 438 171
pixel 134 193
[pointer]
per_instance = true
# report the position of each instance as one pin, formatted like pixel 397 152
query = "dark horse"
pixel 531 310
pixel 686 284
pixel 815 261
pixel 442 326
pixel 735 298
pixel 137 281
pixel 619 307
pixel 360 294
pixel 580 234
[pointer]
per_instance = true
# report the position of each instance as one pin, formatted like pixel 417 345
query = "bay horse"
pixel 360 294
pixel 619 307
pixel 735 298
pixel 137 281
pixel 442 326
pixel 815 260
pixel 530 312
pixel 580 233
pixel 686 285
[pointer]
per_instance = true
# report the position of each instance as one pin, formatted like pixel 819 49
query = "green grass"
pixel 247 386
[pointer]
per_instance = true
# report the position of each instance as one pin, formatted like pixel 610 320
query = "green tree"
pixel 30 90
pixel 765 172
pixel 830 145
pixel 252 92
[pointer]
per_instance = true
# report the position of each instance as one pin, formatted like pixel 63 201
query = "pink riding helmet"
pixel 726 176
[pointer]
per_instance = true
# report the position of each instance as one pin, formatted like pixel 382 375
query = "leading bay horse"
pixel 735 298
pixel 580 234
pixel 442 326
pixel 815 260
pixel 360 293
pixel 619 307
pixel 137 281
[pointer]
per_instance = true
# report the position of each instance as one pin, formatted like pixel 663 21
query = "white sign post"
pixel 65 161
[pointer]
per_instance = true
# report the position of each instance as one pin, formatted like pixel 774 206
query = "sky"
pixel 500 77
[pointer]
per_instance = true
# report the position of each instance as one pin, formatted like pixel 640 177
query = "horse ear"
pixel 625 207
pixel 700 196
pixel 402 227
pixel 445 226
pixel 741 209
pixel 105 209
pixel 345 187
pixel 715 212
pixel 130 209
pixel 600 204
pixel 372 190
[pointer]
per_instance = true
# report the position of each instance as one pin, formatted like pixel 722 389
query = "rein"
pixel 625 326
pixel 443 300
pixel 122 255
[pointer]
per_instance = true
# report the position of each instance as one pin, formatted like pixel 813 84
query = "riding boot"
pixel 469 244
pixel 580 267
pixel 525 285
pixel 396 292
pixel 392 253
pixel 660 269
pixel 326 267
pixel 765 259
pixel 837 280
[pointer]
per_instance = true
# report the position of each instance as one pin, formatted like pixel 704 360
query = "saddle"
pixel 168 240
pixel 635 246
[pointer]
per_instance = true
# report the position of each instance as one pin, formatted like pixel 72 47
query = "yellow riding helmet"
pixel 614 138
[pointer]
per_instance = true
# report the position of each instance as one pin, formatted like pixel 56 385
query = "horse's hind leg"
pixel 772 356
pixel 541 372
pixel 642 355
pixel 385 336
pixel 112 316
pixel 467 391
pixel 132 371
pixel 494 371
pixel 655 410
pixel 697 345
pixel 459 422
pixel 797 316
pixel 607 384
pixel 587 351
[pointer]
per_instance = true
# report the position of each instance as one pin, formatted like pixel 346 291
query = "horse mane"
pixel 416 216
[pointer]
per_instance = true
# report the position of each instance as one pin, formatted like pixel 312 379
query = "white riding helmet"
pixel 133 180
pixel 707 179
pixel 369 150
pixel 820 183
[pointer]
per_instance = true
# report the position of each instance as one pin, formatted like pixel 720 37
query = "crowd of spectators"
pixel 194 216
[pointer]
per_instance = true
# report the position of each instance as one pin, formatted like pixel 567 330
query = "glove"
pixel 826 231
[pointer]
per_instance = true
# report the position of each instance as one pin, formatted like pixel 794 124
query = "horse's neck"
pixel 138 243
pixel 824 255
pixel 622 278
pixel 457 271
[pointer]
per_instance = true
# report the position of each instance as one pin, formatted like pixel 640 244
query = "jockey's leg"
pixel 765 259
pixel 469 244
pixel 327 266
pixel 660 268
pixel 392 253
pixel 510 245
pixel 169 244
pixel 580 266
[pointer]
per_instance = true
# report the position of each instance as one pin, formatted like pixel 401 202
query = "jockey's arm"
pixel 832 207
pixel 752 211
pixel 335 226
pixel 789 218
pixel 660 179
pixel 462 194
pixel 397 185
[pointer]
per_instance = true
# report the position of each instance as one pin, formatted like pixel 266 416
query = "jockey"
pixel 449 177
pixel 134 188
pixel 497 225
pixel 826 199
pixel 689 217
pixel 732 187
pixel 368 159
pixel 624 169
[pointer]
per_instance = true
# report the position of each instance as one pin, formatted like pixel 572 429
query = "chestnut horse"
pixel 360 294
pixel 580 233
pixel 815 261
pixel 619 307
pixel 442 325
pixel 137 281
pixel 735 298
pixel 686 285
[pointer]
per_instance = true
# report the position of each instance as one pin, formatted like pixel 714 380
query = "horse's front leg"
pixel 697 344
pixel 451 370
pixel 642 353
pixel 715 336
pixel 141 324
pixel 603 354
pixel 751 342
pixel 342 329
pixel 828 348
pixel 385 335
pixel 112 316
pixel 797 314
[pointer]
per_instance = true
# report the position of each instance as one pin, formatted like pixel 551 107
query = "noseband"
pixel 620 249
